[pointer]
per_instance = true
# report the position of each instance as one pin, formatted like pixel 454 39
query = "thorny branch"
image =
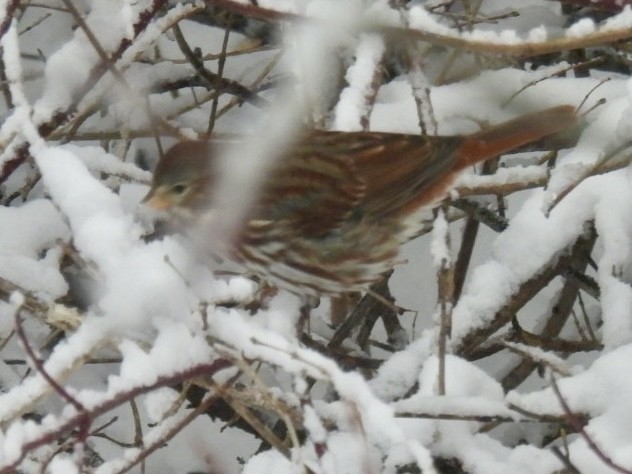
pixel 285 418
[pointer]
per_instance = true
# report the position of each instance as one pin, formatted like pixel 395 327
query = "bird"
pixel 334 210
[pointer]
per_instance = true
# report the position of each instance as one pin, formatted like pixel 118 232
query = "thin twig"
pixel 454 40
pixel 220 73
pixel 52 433
pixel 215 80
pixel 578 426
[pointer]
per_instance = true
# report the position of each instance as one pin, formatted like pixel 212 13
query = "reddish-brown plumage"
pixel 333 211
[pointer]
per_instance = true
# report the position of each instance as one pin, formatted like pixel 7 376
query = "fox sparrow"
pixel 334 210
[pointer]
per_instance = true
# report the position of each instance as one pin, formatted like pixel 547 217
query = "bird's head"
pixel 183 180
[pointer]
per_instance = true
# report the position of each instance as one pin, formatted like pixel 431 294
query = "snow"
pixel 584 26
pixel 600 391
pixel 27 256
pixel 419 18
pixel 98 161
pixel 131 315
pixel 622 20
pixel 66 70
pixel 360 77
pixel 538 34
pixel 439 248
pixel 270 461
pixel 470 392
pixel 158 402
pixel 62 464
pixel 399 373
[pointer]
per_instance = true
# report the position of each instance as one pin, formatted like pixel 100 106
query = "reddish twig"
pixel 8 16
pixel 523 49
pixel 253 11
pixel 200 370
pixel 84 420
pixel 575 422
pixel 604 5
pixel 98 71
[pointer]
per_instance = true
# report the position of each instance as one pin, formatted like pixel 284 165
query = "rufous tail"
pixel 507 136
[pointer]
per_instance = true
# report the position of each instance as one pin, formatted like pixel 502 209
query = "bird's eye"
pixel 178 188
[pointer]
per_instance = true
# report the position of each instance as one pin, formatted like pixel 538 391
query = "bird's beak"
pixel 156 200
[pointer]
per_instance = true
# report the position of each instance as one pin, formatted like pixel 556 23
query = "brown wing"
pixel 328 181
pixel 398 169
pixel 311 190
pixel 405 172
